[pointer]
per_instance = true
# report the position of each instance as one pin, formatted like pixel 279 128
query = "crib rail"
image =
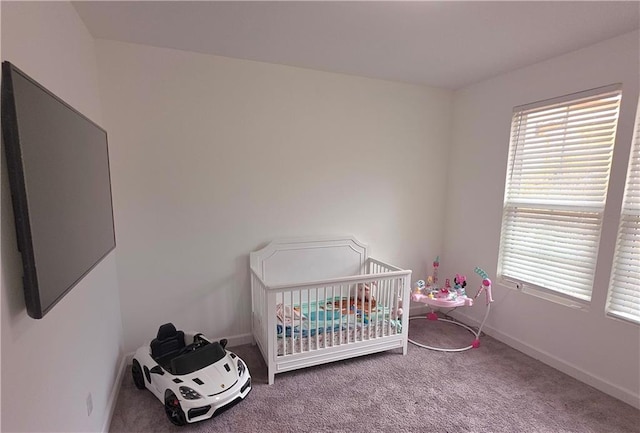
pixel 378 267
pixel 342 280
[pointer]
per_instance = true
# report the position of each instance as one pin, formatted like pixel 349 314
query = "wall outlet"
pixel 89 404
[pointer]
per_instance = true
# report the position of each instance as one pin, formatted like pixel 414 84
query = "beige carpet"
pixel 490 389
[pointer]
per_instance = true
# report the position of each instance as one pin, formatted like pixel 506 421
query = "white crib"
pixel 310 304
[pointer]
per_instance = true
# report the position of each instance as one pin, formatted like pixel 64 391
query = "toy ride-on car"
pixel 195 378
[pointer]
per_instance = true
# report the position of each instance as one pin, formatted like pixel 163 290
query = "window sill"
pixel 622 318
pixel 574 304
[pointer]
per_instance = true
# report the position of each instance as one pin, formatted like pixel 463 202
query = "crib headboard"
pixel 295 260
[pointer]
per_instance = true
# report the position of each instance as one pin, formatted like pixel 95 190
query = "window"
pixel 557 178
pixel 624 291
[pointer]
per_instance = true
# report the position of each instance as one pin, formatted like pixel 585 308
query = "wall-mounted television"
pixel 58 169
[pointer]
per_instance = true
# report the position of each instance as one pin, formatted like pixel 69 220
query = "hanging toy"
pixel 459 283
pixel 436 264
pixel 485 286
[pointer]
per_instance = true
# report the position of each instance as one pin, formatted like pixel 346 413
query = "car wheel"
pixel 173 410
pixel 136 372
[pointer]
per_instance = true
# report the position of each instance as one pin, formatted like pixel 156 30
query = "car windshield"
pixel 198 359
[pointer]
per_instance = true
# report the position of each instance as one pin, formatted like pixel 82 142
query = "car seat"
pixel 168 342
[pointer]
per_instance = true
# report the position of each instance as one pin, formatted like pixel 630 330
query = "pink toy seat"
pixel 460 301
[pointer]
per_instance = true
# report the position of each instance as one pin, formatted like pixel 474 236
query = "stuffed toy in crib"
pixel 364 295
pixel 396 313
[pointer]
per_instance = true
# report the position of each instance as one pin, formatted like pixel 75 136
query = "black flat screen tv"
pixel 58 169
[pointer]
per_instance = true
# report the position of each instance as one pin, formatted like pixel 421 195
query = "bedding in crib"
pixel 330 315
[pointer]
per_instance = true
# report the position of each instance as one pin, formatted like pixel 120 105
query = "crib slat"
pixel 367 307
pixel 326 323
pixel 373 318
pixel 337 339
pixel 309 327
pixel 362 317
pixel 393 293
pixel 317 314
pixel 292 333
pixel 300 333
pixel 387 307
pixel 284 325
pixel 396 297
pixel 329 334
pixel 285 339
pixel 385 319
pixel 300 329
pixel 324 340
pixel 344 318
pixel 348 301
pixel 298 296
pixel 363 312
pixel 379 310
pixel 381 316
pixel 394 300
pixel 337 335
pixel 344 292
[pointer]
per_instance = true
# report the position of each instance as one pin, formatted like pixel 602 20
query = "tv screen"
pixel 58 167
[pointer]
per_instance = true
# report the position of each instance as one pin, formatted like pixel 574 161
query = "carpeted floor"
pixel 490 389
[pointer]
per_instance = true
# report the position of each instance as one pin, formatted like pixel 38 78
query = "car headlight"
pixel 241 367
pixel 189 393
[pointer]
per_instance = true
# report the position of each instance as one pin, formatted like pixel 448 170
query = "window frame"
pixel 511 206
pixel 630 201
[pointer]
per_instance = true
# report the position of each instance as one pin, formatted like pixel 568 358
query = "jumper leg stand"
pixel 433 316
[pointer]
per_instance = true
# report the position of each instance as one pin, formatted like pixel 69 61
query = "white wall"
pixel 50 366
pixel 602 351
pixel 212 157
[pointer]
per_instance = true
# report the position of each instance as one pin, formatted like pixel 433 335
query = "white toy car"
pixel 195 378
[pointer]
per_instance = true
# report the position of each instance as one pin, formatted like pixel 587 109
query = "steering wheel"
pixel 190 348
pixel 198 342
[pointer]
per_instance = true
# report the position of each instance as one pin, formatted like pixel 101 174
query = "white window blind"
pixel 624 291
pixel 557 177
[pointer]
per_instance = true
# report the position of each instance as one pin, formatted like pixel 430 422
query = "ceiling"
pixel 447 44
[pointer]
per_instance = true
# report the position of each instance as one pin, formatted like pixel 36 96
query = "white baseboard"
pixel 599 383
pixel 113 397
pixel 239 340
